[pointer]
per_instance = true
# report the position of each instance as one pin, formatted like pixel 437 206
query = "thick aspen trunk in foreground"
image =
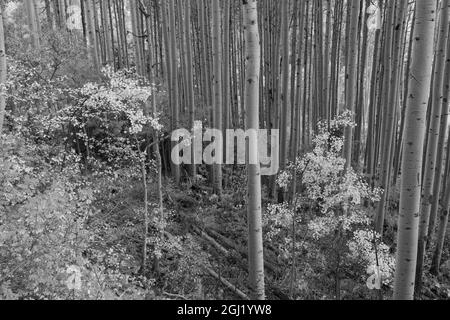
pixel 388 116
pixel 107 25
pixel 136 34
pixel 217 88
pixel 189 72
pixel 33 23
pixel 371 131
pixel 433 139
pixel 174 80
pixel 393 58
pixel 284 102
pixel 415 126
pixel 92 37
pixel 49 15
pixel 252 76
pixel 442 137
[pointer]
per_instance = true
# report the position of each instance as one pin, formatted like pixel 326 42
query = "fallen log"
pixel 227 284
pixel 267 264
pixel 211 241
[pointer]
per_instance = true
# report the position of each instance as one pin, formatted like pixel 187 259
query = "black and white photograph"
pixel 240 153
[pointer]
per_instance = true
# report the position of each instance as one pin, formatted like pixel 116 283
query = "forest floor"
pixel 219 226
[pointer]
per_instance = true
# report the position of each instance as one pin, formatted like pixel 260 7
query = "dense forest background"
pixel 93 205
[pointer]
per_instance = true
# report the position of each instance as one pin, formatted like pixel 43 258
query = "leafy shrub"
pixel 329 214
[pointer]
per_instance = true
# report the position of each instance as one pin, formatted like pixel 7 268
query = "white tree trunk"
pixel 252 76
pixel 415 127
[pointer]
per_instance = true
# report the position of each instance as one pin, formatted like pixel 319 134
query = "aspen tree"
pixel 433 139
pixel 110 18
pixel 415 126
pixel 33 23
pixel 56 13
pixel 274 108
pixel 226 71
pixel 319 108
pixel 398 151
pixel 174 79
pixel 296 103
pixel 334 73
pixel 294 76
pixel 151 109
pixel 83 23
pixel 217 89
pixel 350 96
pixel 168 64
pixel 121 31
pixel 92 37
pixel 307 82
pixel 445 203
pixel 252 74
pixel 36 9
pixel 326 60
pixel 203 53
pixel 62 11
pixel 118 29
pixel 189 70
pixel 182 74
pixel 97 34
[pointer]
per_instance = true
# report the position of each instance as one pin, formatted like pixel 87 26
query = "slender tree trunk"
pixel 252 74
pixel 284 99
pixel 139 59
pixel 49 15
pixel 433 139
pixel 392 62
pixel 107 33
pixel 33 23
pixel 189 71
pixel 294 76
pixel 440 149
pixel 361 90
pixel 217 89
pixel 370 144
pixel 92 37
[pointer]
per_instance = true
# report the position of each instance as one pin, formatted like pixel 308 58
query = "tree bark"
pixel 350 93
pixel 415 127
pixel 252 74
